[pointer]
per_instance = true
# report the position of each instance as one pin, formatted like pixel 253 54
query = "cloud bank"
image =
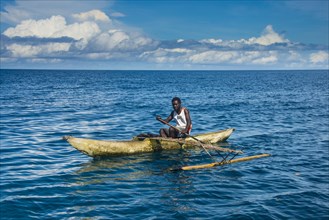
pixel 93 35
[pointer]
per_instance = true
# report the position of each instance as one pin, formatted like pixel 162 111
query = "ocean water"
pixel 284 113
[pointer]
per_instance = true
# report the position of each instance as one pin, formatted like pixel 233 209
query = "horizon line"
pixel 165 69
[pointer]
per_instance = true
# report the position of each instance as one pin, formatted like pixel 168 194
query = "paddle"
pixel 188 135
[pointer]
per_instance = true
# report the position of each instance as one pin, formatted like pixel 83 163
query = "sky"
pixel 164 35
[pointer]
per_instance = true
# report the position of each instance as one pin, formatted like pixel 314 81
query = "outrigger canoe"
pixel 96 148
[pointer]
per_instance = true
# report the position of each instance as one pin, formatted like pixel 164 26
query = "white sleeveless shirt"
pixel 181 120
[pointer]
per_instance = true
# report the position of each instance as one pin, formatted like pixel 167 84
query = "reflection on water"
pixel 155 162
pixel 147 174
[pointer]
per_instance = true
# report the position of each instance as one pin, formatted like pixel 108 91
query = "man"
pixel 182 117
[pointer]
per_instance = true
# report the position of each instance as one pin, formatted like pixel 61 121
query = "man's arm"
pixel 168 119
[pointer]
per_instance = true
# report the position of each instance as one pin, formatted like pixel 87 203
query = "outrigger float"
pixel 102 148
pixel 222 163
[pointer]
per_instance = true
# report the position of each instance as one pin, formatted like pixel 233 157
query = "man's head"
pixel 176 103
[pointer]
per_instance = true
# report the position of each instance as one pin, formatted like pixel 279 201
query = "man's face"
pixel 176 105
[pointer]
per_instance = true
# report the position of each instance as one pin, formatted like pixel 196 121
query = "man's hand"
pixel 158 118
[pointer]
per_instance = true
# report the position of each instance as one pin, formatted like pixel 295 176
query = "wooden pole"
pixel 209 165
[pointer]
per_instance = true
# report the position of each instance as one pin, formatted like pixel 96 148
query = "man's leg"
pixel 173 133
pixel 164 132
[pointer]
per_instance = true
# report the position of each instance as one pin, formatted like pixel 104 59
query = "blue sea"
pixel 283 113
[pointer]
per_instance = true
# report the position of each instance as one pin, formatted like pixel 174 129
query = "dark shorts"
pixel 179 135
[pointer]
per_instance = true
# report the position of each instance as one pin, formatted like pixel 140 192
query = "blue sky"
pixel 70 34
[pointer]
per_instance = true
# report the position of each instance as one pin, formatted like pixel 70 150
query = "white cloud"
pixel 43 60
pixel 85 30
pixel 178 50
pixel 100 55
pixel 110 40
pixel 319 57
pixel 54 27
pixel 95 15
pixel 21 10
pixel 18 50
pixel 178 55
pixel 37 28
pixel 88 35
pixel 294 56
pixel 265 60
pixel 117 39
pixel 212 41
pixel 247 57
pixel 210 57
pixel 187 56
pixel 268 37
pixel 163 55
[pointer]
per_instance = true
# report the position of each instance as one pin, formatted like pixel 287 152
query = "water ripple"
pixel 277 112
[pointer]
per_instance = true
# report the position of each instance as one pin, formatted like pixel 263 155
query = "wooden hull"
pixel 96 148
